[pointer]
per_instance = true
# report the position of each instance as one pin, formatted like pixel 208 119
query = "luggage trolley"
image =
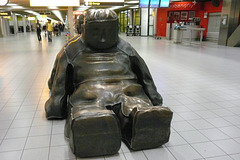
pixel 137 30
pixel 130 30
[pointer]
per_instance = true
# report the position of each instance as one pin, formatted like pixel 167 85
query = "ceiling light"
pixel 32 12
pixel 131 2
pixel 3 2
pixel 83 8
pixel 11 4
pixel 118 7
pixel 54 3
pixel 136 6
pixel 53 7
pixel 58 14
pixel 17 7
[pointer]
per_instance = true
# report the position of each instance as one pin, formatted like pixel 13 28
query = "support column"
pixel 1 27
pixel 24 24
pixel 15 26
pixel 229 20
pixel 70 21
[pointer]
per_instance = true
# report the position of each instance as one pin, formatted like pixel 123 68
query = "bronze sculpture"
pixel 106 92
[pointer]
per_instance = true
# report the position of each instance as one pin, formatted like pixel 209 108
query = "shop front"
pixel 190 15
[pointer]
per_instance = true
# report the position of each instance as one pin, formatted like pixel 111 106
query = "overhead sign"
pixel 164 3
pixel 48 3
pixel 5 14
pixel 143 3
pixel 154 3
pixel 104 2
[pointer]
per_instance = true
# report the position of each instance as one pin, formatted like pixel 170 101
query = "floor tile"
pixel 193 136
pixel 138 155
pixel 231 131
pixel 175 139
pixel 57 129
pixel 200 124
pixel 37 142
pixel 12 144
pixel 208 149
pixel 235 156
pixel 24 115
pixel 179 152
pixel 220 158
pixel 214 134
pixel 18 123
pixel 17 133
pixel 40 130
pixel 35 154
pixel 219 122
pixel 14 155
pixel 182 126
pixel 229 146
pixel 159 153
pixel 3 133
pixel 58 140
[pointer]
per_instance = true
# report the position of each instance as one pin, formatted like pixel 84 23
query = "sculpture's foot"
pixel 150 127
pixel 94 132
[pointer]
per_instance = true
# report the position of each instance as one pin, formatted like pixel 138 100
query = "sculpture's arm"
pixel 53 73
pixel 140 68
pixel 56 105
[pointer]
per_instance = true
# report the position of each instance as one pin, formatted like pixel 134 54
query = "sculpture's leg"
pixel 93 131
pixel 145 127
pixel 150 127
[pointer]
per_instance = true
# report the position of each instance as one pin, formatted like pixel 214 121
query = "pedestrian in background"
pixel 49 30
pixel 38 26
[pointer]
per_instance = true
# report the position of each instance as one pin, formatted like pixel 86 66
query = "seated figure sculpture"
pixel 104 89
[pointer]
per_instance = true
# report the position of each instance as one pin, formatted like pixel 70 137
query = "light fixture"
pixel 17 7
pixel 131 2
pixel 194 2
pixel 11 4
pixel 58 14
pixel 3 2
pixel 54 3
pixel 32 12
pixel 53 7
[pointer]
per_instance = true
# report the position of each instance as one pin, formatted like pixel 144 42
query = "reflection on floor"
pixel 201 84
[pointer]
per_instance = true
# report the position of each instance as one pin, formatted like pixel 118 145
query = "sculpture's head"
pixel 101 28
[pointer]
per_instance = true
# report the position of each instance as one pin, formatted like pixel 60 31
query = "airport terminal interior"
pixel 200 83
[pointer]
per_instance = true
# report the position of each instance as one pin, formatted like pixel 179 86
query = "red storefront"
pixel 185 12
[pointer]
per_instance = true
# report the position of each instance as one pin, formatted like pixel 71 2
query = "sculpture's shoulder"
pixel 126 47
pixel 74 46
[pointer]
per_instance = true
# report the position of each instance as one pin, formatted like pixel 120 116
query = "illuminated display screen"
pixel 154 3
pixel 143 3
pixel 104 2
pixel 164 3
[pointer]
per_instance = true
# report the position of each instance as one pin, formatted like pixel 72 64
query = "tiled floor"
pixel 201 84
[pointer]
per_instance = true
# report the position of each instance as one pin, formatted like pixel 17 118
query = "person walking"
pixel 38 26
pixel 49 30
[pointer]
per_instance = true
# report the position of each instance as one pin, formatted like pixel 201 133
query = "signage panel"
pixel 5 14
pixel 164 3
pixel 104 2
pixel 143 3
pixel 154 3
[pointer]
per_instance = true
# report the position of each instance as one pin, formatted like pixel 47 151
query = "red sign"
pixel 185 6
pixel 78 12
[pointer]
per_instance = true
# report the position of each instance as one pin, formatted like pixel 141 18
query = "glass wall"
pixel 128 17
